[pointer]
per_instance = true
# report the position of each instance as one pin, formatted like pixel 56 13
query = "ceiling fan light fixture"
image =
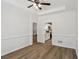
pixel 39 5
pixel 32 0
pixel 35 6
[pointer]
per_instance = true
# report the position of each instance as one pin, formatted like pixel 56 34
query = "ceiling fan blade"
pixel 40 8
pixel 31 0
pixel 30 6
pixel 45 3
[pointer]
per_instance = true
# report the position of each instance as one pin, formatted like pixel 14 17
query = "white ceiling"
pixel 70 4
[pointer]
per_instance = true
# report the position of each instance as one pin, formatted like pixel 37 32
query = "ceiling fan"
pixel 37 4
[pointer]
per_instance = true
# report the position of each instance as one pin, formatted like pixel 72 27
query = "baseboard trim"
pixel 15 50
pixel 23 42
pixel 68 41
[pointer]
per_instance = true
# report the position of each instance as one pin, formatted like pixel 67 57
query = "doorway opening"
pixel 48 33
pixel 34 33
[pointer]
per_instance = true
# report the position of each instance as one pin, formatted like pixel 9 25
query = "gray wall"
pixel 16 28
pixel 64 28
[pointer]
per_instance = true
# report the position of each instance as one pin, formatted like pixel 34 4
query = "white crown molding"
pixel 53 10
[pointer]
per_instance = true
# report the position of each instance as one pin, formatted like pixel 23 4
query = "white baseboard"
pixel 15 50
pixel 11 45
pixel 69 41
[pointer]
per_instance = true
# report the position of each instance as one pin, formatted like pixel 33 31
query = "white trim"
pixel 15 50
pixel 19 45
pixel 68 41
pixel 16 36
pixel 57 9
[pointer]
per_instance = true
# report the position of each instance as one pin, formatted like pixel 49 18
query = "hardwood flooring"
pixel 42 51
pixel 34 39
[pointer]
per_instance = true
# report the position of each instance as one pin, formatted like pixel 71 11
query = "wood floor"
pixel 34 39
pixel 42 51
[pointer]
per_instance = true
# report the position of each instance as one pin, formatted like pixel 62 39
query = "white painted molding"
pixel 56 9
pixel 15 36
pixel 68 41
pixel 21 43
pixel 16 49
pixel 66 35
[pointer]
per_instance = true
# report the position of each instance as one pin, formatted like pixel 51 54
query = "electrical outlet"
pixel 60 42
